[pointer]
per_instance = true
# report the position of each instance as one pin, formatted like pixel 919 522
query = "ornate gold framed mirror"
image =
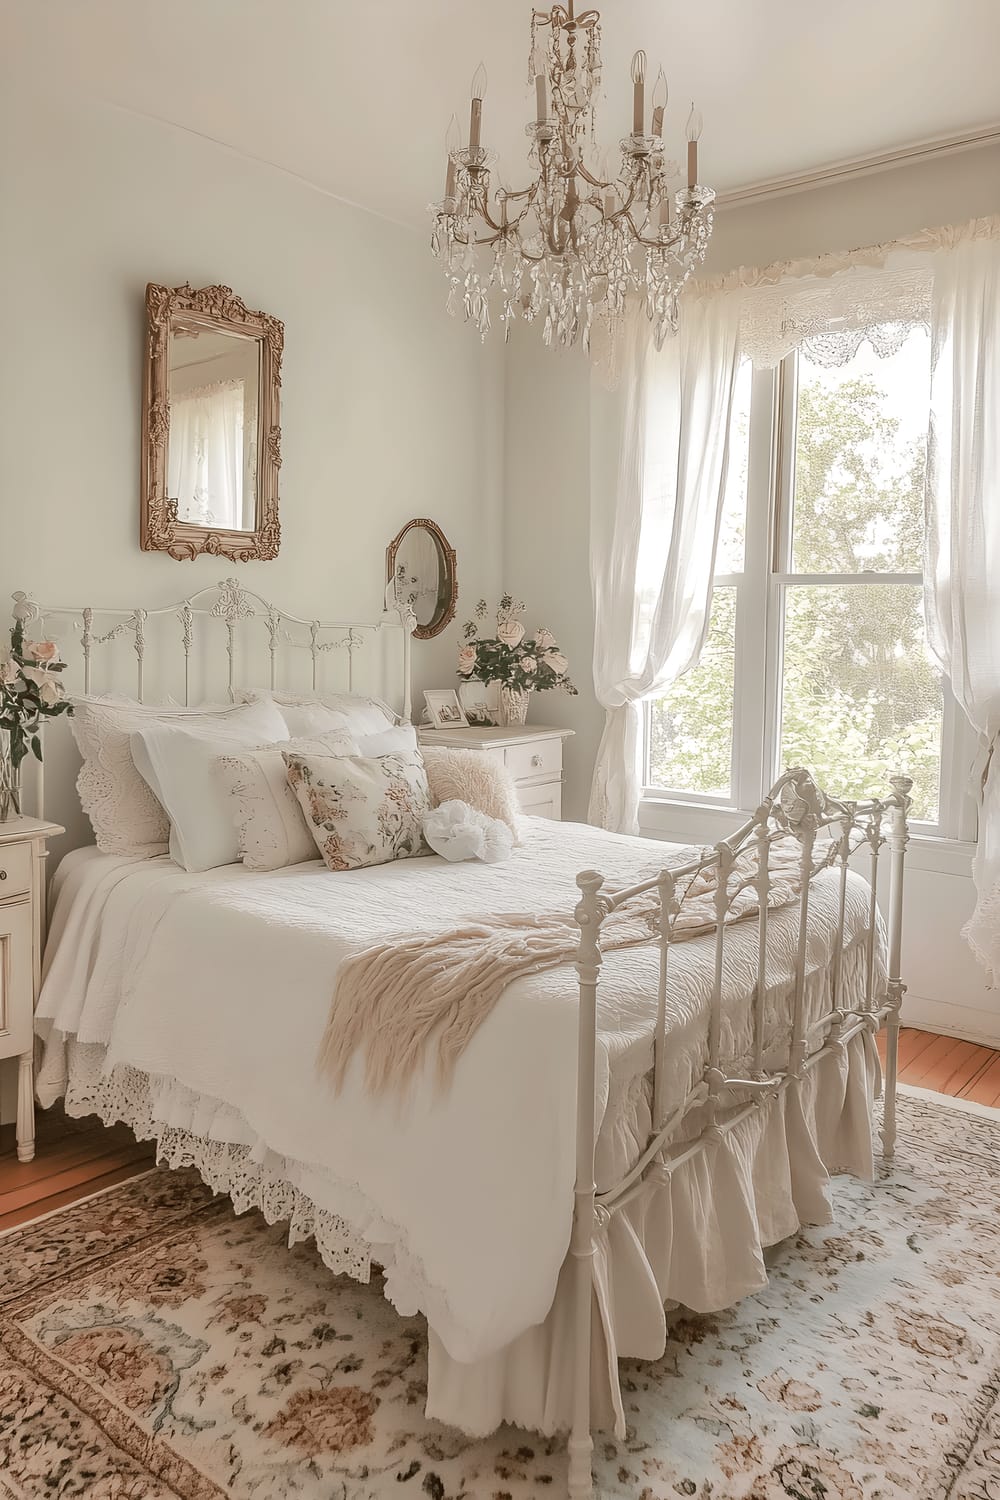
pixel 420 565
pixel 211 434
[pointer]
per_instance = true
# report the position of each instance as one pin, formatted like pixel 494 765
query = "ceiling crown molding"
pixel 862 166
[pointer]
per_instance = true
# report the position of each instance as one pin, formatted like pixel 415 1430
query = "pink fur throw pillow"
pixel 471 777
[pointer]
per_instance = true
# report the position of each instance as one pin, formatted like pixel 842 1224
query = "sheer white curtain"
pixel 205 457
pixel 962 567
pixel 653 538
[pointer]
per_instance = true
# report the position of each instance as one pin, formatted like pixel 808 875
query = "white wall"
pixel 561 436
pixel 389 408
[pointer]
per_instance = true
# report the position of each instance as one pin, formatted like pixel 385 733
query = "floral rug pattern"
pixel 155 1347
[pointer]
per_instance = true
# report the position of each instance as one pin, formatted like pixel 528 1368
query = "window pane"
pixel 729 553
pixel 860 453
pixel 860 697
pixel 691 726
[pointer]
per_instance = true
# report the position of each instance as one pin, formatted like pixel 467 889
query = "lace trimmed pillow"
pixel 362 810
pixel 270 824
pixel 124 812
pixel 476 779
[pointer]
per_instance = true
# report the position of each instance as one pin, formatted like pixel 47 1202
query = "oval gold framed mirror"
pixel 420 565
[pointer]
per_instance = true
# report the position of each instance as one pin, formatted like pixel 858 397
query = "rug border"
pixel 949 1101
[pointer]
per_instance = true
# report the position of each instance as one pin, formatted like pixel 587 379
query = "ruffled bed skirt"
pixel 693 1239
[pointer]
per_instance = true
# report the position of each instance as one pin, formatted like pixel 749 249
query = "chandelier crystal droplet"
pixel 583 238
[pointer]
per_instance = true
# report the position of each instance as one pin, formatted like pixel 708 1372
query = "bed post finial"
pixel 899 837
pixel 589 914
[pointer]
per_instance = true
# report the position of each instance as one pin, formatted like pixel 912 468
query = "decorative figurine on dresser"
pixel 23 850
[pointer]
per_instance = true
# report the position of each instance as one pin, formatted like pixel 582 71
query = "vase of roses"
pixel 518 664
pixel 30 691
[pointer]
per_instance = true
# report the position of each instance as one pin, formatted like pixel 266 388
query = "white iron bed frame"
pixel 795 808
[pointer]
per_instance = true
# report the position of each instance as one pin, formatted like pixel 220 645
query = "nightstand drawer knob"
pixel 536 760
pixel 3 874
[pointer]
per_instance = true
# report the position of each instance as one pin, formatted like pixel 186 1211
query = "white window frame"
pixel 759 617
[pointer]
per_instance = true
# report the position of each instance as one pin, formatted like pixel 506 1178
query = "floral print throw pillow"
pixel 362 810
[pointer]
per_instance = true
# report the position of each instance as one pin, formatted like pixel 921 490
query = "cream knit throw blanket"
pixel 393 999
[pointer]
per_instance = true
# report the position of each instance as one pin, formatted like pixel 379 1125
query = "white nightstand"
pixel 22 918
pixel 532 754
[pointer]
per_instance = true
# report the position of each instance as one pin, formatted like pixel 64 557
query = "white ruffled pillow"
pixel 271 829
pixel 456 832
pixel 124 812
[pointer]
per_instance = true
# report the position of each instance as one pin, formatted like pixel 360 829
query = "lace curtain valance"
pixel 830 305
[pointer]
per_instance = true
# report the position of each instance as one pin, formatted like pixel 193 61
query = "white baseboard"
pixel 963 1021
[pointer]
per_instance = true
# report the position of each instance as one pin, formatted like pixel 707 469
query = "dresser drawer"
pixel 15 870
pixel 537 758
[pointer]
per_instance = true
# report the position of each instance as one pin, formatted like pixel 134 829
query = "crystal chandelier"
pixel 573 246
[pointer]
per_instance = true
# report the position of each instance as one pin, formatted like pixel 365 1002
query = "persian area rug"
pixel 155 1347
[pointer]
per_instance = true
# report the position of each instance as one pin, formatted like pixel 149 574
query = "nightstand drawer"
pixel 538 758
pixel 16 997
pixel 541 801
pixel 15 870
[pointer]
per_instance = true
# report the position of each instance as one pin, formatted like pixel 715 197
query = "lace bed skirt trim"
pixel 243 1169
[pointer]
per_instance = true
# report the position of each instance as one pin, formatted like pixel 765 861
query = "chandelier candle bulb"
pixel 541 100
pixel 659 103
pixel 476 112
pixel 638 92
pixel 694 126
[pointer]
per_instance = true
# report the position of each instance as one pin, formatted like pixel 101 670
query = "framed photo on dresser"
pixel 444 708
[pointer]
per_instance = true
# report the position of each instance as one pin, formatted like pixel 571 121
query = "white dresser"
pixel 532 754
pixel 22 914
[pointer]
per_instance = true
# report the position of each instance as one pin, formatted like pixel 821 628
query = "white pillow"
pixel 270 828
pixel 317 713
pixel 179 763
pixel 123 810
pixel 399 741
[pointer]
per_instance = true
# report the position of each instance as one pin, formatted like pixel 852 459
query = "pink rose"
pixel 466 659
pixel 544 639
pixel 556 661
pixel 529 664
pixel 511 632
pixel 41 651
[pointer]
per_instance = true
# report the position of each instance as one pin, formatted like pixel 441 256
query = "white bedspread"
pixel 219 987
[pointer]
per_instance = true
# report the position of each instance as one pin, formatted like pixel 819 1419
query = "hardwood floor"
pixel 948 1066
pixel 77 1157
pixel 72 1159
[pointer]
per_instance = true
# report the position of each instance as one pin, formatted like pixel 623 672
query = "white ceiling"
pixel 356 97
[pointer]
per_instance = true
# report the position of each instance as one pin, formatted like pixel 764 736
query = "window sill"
pixel 706 823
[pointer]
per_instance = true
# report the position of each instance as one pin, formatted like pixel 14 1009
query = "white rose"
pixel 466 659
pixel 544 639
pixel 37 675
pixel 50 692
pixel 556 661
pixel 511 632
pixel 8 671
pixel 529 664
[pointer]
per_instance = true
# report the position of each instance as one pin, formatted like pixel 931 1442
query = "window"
pixel 816 653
